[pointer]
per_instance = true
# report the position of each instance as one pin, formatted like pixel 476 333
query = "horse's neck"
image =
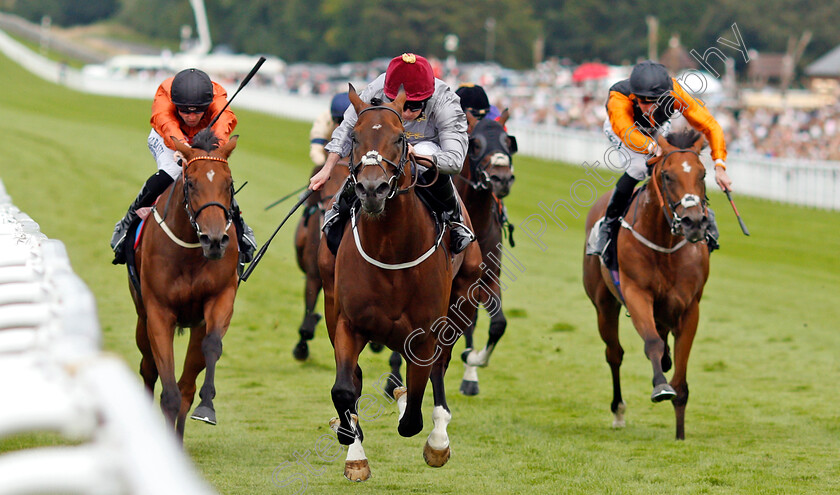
pixel 171 204
pixel 481 205
pixel 404 227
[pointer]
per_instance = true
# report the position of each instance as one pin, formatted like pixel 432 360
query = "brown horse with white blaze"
pixel 663 267
pixel 187 269
pixel 393 281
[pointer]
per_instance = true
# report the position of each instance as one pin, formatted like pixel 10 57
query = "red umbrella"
pixel 590 70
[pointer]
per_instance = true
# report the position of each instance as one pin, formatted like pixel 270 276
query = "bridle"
pixel 669 207
pixel 480 179
pixel 192 214
pixel 374 158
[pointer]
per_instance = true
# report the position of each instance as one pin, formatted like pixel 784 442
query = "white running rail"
pixel 54 377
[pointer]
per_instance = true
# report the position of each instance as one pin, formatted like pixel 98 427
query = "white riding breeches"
pixel 163 156
pixel 633 163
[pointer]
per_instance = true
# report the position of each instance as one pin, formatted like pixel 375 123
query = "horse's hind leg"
pixel 410 398
pixel 345 393
pixel 310 317
pixel 683 339
pixel 492 294
pixel 160 327
pixel 469 382
pixel 608 311
pixel 193 364
pixel 148 369
pixel 395 379
pixel 436 451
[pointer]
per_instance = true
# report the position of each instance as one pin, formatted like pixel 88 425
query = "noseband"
pixel 669 207
pixel 373 158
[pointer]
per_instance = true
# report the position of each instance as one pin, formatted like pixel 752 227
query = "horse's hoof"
pixel 434 457
pixel 662 392
pixel 376 347
pixel 469 388
pixel 204 413
pixel 618 420
pixel 301 351
pixel 357 470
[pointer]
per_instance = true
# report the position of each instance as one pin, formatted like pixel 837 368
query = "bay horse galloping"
pixel 307 240
pixel 663 267
pixel 486 178
pixel 187 268
pixel 393 281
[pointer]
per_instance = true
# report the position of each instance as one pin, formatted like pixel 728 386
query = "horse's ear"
pixel 354 99
pixel 399 101
pixel 227 149
pixel 181 146
pixel 504 117
pixel 471 121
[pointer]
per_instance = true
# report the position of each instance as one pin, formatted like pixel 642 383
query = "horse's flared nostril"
pixel 204 239
pixel 382 189
pixel 225 240
pixel 360 191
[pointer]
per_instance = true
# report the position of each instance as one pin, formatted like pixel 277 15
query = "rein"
pixel 192 215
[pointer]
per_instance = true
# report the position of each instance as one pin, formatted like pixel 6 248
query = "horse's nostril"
pixel 225 240
pixel 204 239
pixel 382 188
pixel 360 190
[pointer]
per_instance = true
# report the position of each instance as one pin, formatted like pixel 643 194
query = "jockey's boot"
pixel 244 235
pixel 444 201
pixel 609 227
pixel 154 187
pixel 712 233
pixel 336 217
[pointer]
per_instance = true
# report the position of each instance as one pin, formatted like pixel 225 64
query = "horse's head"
pixel 678 176
pixel 491 154
pixel 379 153
pixel 208 190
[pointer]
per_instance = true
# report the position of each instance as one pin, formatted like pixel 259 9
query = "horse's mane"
pixel 206 140
pixel 683 139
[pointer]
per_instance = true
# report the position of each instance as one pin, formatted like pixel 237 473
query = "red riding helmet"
pixel 415 75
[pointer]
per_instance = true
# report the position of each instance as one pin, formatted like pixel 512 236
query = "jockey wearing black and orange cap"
pixel 436 129
pixel 183 105
pixel 638 109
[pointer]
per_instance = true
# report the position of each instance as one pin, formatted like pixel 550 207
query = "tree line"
pixel 511 32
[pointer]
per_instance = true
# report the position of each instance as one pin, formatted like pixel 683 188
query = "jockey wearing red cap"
pixel 436 128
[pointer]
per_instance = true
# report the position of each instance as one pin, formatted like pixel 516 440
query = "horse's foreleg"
pixel 436 451
pixel 469 382
pixel 217 315
pixel 160 327
pixel 410 398
pixel 148 369
pixel 683 339
pixel 193 364
pixel 345 393
pixel 608 310
pixel 640 305
pixel 492 301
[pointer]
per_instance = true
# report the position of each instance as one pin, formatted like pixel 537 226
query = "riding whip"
pixel 241 85
pixel 738 215
pixel 284 198
pixel 258 257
